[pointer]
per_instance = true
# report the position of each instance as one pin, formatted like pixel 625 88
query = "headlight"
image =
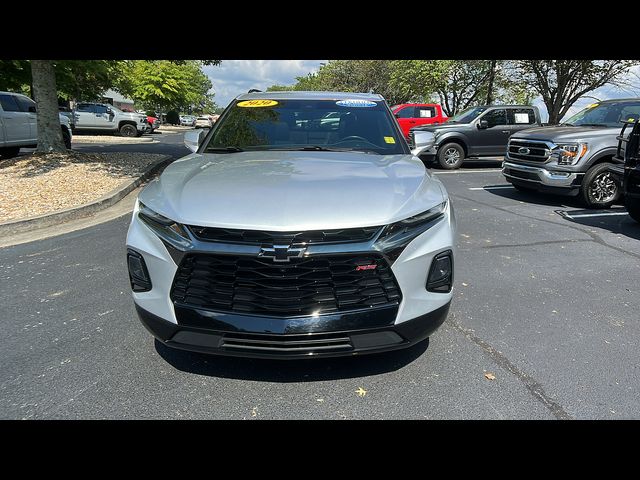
pixel 571 153
pixel 162 225
pixel 397 235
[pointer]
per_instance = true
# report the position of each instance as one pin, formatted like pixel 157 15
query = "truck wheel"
pixel 599 189
pixel 128 130
pixel 8 152
pixel 632 208
pixel 450 156
pixel 67 138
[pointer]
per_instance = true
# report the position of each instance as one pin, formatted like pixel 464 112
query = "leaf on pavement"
pixel 489 376
pixel 361 392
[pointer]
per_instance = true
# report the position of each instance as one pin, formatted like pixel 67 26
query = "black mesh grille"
pixel 258 237
pixel 303 286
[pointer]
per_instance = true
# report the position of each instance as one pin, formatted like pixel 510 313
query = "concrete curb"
pixel 107 140
pixel 61 216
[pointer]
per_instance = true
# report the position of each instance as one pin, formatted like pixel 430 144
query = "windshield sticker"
pixel 389 140
pixel 257 103
pixel 522 117
pixel 593 105
pixel 356 103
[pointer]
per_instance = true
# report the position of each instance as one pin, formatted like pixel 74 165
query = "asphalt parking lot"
pixel 544 325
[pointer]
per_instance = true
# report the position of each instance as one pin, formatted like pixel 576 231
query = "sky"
pixel 234 77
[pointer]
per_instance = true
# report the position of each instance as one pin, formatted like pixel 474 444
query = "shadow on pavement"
pixel 538 198
pixel 286 371
pixel 619 224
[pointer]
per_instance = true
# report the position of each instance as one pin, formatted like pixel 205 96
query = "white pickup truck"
pixel 105 117
pixel 18 126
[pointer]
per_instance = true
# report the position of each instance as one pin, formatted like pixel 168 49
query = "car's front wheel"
pixel 9 152
pixel 633 208
pixel 67 138
pixel 128 130
pixel 599 189
pixel 451 156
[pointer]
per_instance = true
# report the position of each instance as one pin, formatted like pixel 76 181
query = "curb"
pixel 107 200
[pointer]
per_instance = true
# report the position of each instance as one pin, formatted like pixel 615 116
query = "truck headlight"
pixel 571 153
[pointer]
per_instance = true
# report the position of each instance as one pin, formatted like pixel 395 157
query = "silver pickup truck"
pixel 105 117
pixel 18 124
pixel 572 158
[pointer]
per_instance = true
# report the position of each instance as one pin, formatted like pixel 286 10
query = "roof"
pixel 310 96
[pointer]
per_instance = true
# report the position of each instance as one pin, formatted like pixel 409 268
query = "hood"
pixel 283 191
pixel 569 134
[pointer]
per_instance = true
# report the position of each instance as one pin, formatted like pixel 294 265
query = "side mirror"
pixel 192 139
pixel 422 141
pixel 109 111
pixel 32 109
pixel 397 115
pixel 482 124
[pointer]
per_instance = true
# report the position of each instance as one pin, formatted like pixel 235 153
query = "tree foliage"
pixel 561 83
pixel 166 84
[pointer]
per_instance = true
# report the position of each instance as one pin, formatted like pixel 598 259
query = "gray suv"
pixel 476 132
pixel 574 157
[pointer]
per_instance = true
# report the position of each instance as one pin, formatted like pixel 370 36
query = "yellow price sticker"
pixel 257 103
pixel 389 140
pixel 593 105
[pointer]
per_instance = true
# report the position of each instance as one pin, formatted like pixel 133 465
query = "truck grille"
pixel 538 151
pixel 258 237
pixel 304 286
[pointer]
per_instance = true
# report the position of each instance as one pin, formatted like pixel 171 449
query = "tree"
pixel 562 82
pixel 46 97
pixel 165 84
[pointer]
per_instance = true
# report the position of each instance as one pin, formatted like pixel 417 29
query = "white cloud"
pixel 234 77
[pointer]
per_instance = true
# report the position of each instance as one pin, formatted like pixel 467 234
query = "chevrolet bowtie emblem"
pixel 282 253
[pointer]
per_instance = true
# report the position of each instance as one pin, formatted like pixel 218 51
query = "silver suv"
pixel 105 117
pixel 573 158
pixel 300 226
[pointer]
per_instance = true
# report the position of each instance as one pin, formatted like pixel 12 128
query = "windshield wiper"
pixel 592 125
pixel 566 124
pixel 224 149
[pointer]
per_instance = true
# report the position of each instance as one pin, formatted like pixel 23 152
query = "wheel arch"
pixel 455 139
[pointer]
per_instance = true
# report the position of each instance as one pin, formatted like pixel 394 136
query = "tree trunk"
pixel 492 76
pixel 46 97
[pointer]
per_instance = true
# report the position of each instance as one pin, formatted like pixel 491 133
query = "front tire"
pixel 451 156
pixel 599 189
pixel 9 152
pixel 67 138
pixel 632 208
pixel 128 130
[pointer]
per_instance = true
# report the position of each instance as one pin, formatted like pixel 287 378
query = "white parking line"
pixel 583 215
pixel 469 171
pixel 491 187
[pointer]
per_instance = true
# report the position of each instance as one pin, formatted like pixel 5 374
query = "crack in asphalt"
pixel 534 387
pixel 595 237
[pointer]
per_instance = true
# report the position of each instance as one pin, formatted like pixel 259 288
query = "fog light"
pixel 138 273
pixel 440 277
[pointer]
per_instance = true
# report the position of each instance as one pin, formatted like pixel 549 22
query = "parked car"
pixel 154 122
pixel 574 157
pixel 476 132
pixel 18 124
pixel 625 168
pixel 188 120
pixel 203 121
pixel 295 240
pixel 411 115
pixel 67 112
pixel 105 117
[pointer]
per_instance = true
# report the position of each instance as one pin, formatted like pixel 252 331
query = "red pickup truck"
pixel 411 115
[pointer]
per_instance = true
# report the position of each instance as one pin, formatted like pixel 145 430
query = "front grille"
pixel 538 151
pixel 520 174
pixel 304 286
pixel 291 344
pixel 259 237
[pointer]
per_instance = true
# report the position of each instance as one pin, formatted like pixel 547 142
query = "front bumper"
pixel 345 334
pixel 542 179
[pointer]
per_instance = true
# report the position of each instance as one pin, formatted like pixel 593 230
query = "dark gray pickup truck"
pixel 476 132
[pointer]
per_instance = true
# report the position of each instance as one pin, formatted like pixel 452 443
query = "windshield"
pixel 468 115
pixel 608 114
pixel 352 125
